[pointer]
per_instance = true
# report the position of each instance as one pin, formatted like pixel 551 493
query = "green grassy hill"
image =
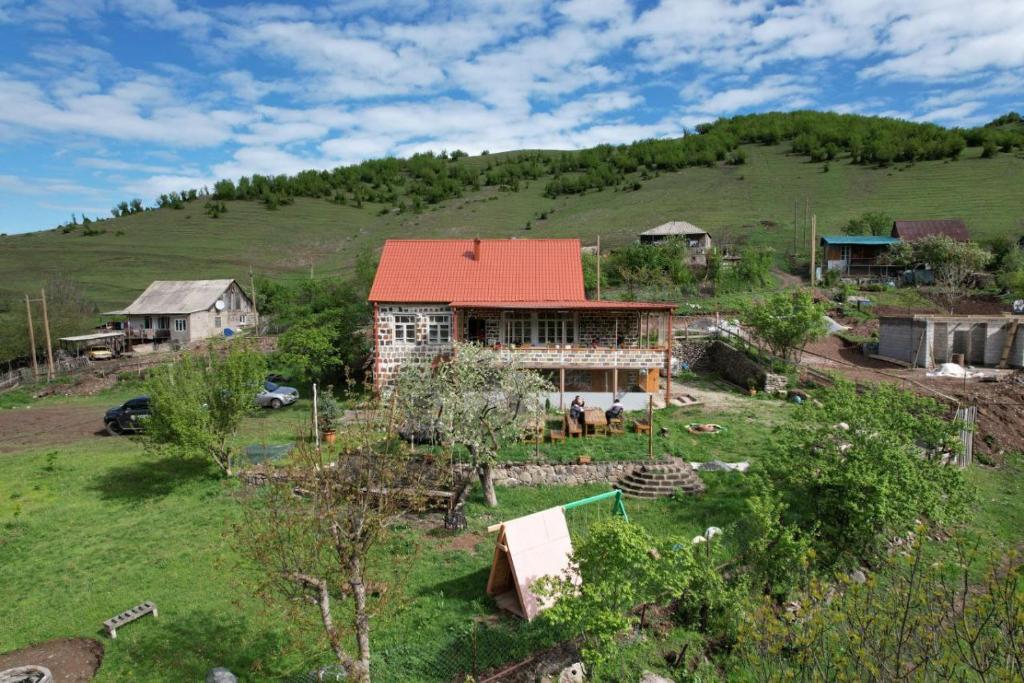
pixel 754 201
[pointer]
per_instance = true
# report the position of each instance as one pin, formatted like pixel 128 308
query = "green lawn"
pixel 89 530
pixel 755 201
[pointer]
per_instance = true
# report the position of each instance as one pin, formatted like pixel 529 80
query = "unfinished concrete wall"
pixel 925 342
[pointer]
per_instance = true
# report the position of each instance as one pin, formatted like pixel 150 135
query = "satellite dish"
pixel 219 305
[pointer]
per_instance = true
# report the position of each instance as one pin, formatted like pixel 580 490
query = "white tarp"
pixel 833 326
pixel 953 370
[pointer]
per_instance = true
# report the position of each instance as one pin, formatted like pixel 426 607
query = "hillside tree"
pixel 478 399
pixel 786 321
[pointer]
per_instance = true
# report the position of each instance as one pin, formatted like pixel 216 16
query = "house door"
pixel 476 330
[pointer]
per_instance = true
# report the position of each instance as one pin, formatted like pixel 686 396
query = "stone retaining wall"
pixel 543 474
pixel 733 365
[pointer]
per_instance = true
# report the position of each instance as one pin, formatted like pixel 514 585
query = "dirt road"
pixel 25 428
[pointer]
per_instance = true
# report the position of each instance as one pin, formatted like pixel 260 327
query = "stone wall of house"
pixel 544 474
pixel 592 328
pixel 392 353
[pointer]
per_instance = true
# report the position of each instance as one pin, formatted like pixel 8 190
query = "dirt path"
pixel 25 428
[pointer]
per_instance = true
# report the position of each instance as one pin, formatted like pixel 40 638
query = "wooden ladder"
pixel 1008 343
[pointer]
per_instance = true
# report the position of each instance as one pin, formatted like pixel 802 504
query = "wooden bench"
pixel 642 427
pixel 556 435
pixel 615 426
pixel 129 616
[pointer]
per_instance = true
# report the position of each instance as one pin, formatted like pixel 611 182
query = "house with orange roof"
pixel 519 297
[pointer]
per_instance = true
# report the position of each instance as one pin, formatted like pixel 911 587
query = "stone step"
pixel 663 490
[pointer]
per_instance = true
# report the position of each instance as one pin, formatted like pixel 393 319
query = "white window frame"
pixel 439 328
pixel 404 325
pixel 518 329
pixel 242 318
pixel 564 329
pixel 180 324
pixel 217 321
pixel 147 322
pixel 163 323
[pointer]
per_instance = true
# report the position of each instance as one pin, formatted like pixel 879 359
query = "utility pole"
pixel 598 267
pixel 50 372
pixel 31 339
pixel 255 310
pixel 814 250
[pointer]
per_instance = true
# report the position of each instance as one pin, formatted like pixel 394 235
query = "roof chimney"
pixel 476 249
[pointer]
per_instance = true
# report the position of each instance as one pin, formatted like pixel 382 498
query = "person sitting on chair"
pixel 576 410
pixel 615 412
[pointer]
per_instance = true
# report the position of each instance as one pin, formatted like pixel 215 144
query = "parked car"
pixel 128 417
pixel 99 353
pixel 276 396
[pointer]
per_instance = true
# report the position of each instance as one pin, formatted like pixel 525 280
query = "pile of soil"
pixel 1000 427
pixel 974 305
pixel 70 660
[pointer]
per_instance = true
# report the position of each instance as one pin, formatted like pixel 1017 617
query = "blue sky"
pixel 103 100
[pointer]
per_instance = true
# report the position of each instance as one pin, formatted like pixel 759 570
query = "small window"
pixel 439 329
pixel 147 323
pixel 242 319
pixel 216 321
pixel 179 324
pixel 405 328
pixel 163 323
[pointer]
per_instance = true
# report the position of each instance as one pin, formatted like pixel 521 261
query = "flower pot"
pixel 752 391
pixel 330 435
pixel 583 460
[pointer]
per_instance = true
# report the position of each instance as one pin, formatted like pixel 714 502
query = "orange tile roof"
pixel 442 271
pixel 604 305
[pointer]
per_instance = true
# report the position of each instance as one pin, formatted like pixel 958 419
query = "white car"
pixel 276 396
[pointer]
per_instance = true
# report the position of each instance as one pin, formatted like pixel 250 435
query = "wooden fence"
pixel 969 416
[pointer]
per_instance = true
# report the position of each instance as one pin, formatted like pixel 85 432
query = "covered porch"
pixel 582 346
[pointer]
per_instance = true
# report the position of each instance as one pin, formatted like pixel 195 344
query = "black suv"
pixel 128 417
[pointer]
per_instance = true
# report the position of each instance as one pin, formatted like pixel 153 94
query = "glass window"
pixel 179 324
pixel 216 321
pixel 163 323
pixel 147 323
pixel 405 328
pixel 517 329
pixel 242 319
pixel 552 330
pixel 439 329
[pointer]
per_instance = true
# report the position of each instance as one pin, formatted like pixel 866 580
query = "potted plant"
pixel 751 386
pixel 328 413
pixel 583 460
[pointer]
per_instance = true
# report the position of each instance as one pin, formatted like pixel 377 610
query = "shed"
pixel 527 549
pixel 856 254
pixel 697 240
pixel 113 340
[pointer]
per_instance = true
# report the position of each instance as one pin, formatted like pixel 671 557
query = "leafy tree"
pixel 857 469
pixel 918 618
pixel 311 352
pixel 869 223
pixel 786 321
pixel 198 402
pixel 1010 275
pixel 951 263
pixel 312 529
pixel 478 399
pixel 775 554
pixel 754 267
pixel 590 274
pixel 616 567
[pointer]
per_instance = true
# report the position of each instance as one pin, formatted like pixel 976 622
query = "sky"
pixel 107 100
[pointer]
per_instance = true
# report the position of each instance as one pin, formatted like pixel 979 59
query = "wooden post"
pixel 598 267
pixel 814 248
pixel 561 388
pixel 50 372
pixel 31 339
pixel 668 359
pixel 650 427
pixel 316 425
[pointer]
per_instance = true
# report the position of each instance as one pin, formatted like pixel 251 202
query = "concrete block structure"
pixel 522 298
pixel 929 340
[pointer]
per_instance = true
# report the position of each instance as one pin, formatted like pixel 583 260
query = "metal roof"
pixel 177 296
pixel 953 228
pixel 860 240
pixel 93 337
pixel 506 270
pixel 675 228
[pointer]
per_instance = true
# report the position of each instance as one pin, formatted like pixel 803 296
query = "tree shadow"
pixel 189 644
pixel 469 587
pixel 142 481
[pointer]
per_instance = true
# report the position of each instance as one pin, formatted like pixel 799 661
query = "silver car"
pixel 276 396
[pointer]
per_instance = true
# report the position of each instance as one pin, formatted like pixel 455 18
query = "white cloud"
pixel 778 89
